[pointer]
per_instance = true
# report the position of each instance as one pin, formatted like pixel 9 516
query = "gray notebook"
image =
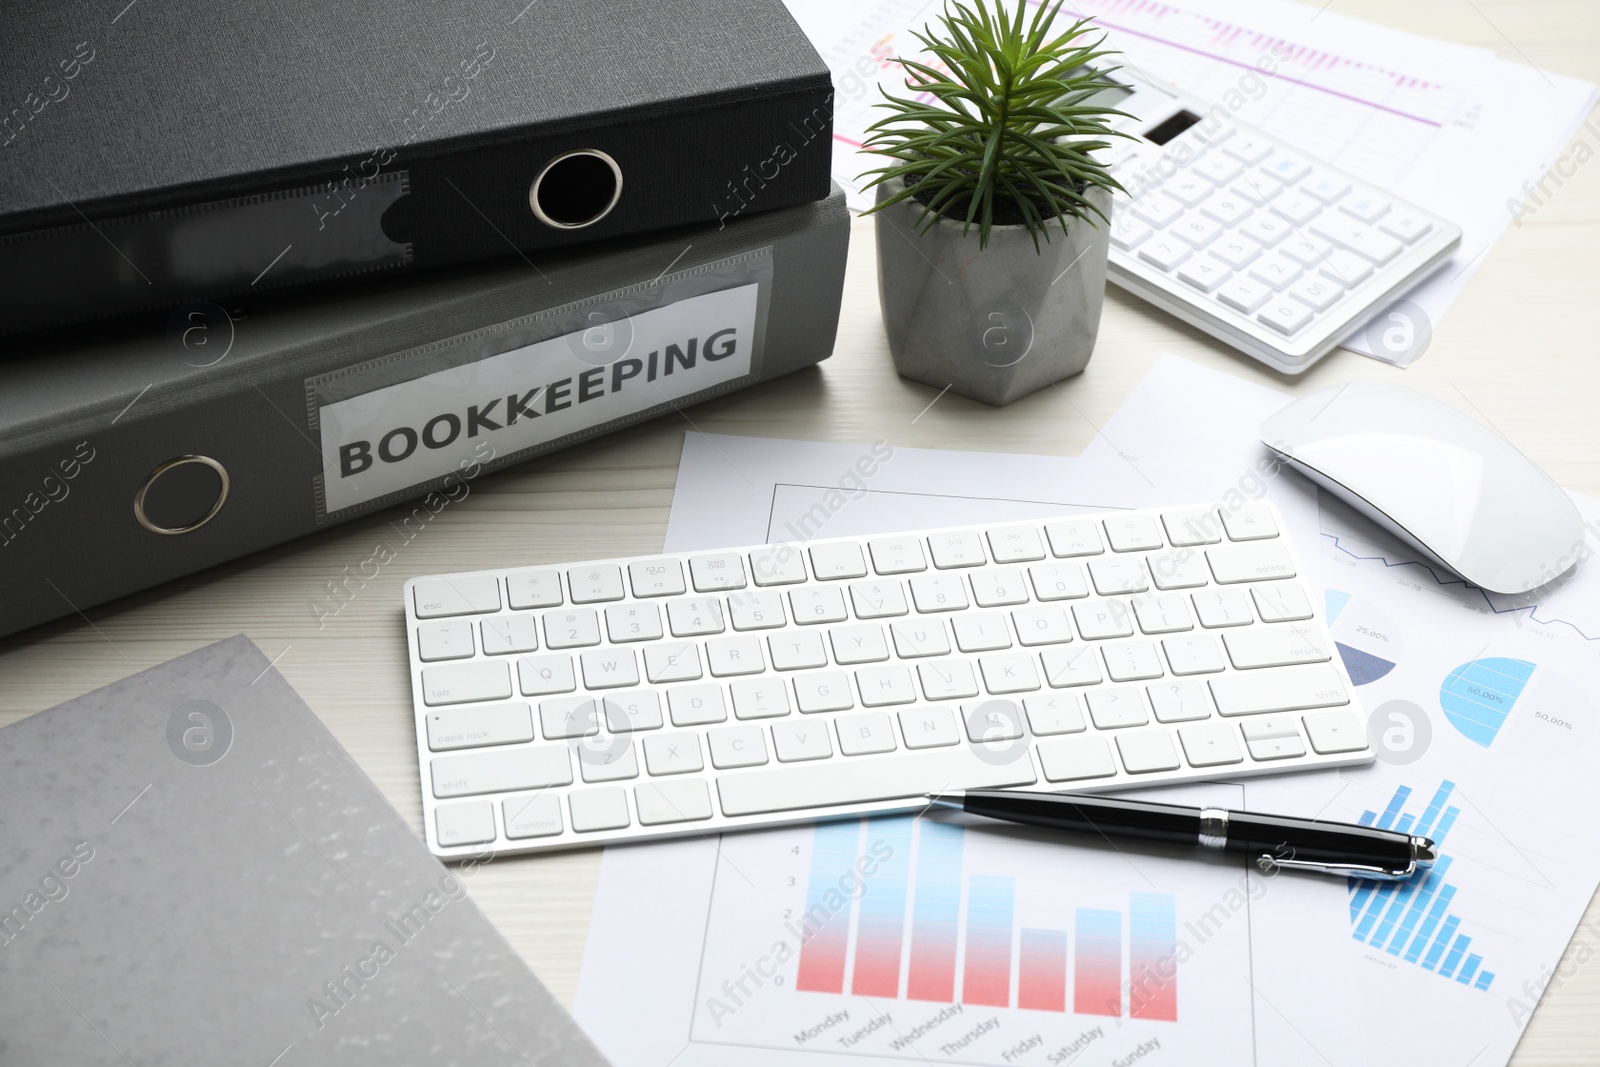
pixel 194 872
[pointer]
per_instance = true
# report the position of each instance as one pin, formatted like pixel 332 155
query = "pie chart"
pixel 1365 636
pixel 1516 706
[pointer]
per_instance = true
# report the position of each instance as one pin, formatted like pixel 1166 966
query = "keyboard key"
pixel 1041 626
pixel 500 770
pixel 458 683
pixel 928 728
pixel 1256 187
pixel 1294 689
pixel 681 800
pixel 1249 522
pixel 1182 569
pixel 1011 672
pixel 760 698
pixel 631 712
pixel 1368 207
pixel 1271 737
pixel 542 675
pixel 1328 188
pixel 823 691
pixel 1162 614
pixel 695 616
pixel 470 823
pixel 633 622
pixel 961 548
pixel 1406 225
pixel 1285 315
pixel 842 560
pixel 716 571
pixel 696 705
pixel 1217 167
pixel 1210 744
pixel 1197 230
pixel 1187 187
pixel 609 668
pixel 914 639
pixel 1015 544
pixel 830 782
pixel 598 809
pixel 780 565
pixel 797 650
pixel 1072 759
pixel 1345 268
pixel 674 753
pixel 535 816
pixel 1358 237
pixel 1318 294
pixel 1248 148
pixel 756 610
pixel 1192 654
pixel 496 724
pixel 881 686
pixel 1286 167
pixel 865 733
pixel 1275 270
pixel 729 656
pixel 1117 707
pixel 996 587
pixel 672 661
pixel 656 577
pixel 1164 251
pixel 1100 619
pixel 1205 273
pixel 877 600
pixel 1074 537
pixel 448 639
pixel 989 721
pixel 1179 701
pixel 1132 533
pixel 795 742
pixel 505 634
pixel 1334 731
pixel 1112 576
pixel 1236 251
pixel 1222 607
pixel 595 582
pixel 981 631
pixel 1192 526
pixel 1279 645
pixel 859 643
pixel 1250 562
pixel 1055 713
pixel 1158 209
pixel 938 592
pixel 533 589
pixel 1132 661
pixel 1281 602
pixel 897 555
pixel 1065 667
pixel 562 717
pixel 817 604
pixel 572 628
pixel 1058 581
pixel 1244 294
pixel 1147 751
pixel 610 759
pixel 736 746
pixel 458 594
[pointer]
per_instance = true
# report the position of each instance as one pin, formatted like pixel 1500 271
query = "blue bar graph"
pixel 1411 919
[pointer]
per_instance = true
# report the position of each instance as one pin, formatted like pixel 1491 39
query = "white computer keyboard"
pixel 699 692
pixel 1274 252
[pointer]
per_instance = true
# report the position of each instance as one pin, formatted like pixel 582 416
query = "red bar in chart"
pixel 881 914
pixel 987 978
pixel 1042 970
pixel 825 925
pixel 1097 974
pixel 936 915
pixel 1152 959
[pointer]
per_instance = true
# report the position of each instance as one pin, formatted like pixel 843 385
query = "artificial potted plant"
pixel 993 216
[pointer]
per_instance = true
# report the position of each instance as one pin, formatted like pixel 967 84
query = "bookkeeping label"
pixel 413 432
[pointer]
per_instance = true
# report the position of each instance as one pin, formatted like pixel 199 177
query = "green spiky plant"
pixel 1008 126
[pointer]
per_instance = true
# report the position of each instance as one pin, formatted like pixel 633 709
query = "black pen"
pixel 1337 848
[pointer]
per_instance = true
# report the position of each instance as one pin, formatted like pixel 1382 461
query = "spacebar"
pixel 857 781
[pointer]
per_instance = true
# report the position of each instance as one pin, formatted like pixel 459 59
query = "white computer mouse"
pixel 1441 482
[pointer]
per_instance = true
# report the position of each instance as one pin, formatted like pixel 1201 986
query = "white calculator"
pixel 1278 254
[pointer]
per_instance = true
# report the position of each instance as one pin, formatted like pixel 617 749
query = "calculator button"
pixel 1235 251
pixel 1285 315
pixel 1364 240
pixel 1164 251
pixel 1189 188
pixel 1198 230
pixel 1286 167
pixel 1325 187
pixel 1297 207
pixel 1244 294
pixel 1265 229
pixel 1365 206
pixel 1128 231
pixel 1319 294
pixel 1248 149
pixel 1218 168
pixel 1346 268
pixel 1204 273
pixel 1158 209
pixel 1206 134
pixel 1406 226
pixel 1226 208
pixel 1306 251
pixel 1257 187
pixel 1275 270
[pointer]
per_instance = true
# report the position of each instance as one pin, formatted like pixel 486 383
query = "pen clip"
pixel 1341 870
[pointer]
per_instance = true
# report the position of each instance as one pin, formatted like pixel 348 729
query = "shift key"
pixel 500 771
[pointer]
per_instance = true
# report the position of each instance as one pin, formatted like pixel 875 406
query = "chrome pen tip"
pixel 1424 851
pixel 955 800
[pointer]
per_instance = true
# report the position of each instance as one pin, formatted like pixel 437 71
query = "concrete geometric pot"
pixel 994 325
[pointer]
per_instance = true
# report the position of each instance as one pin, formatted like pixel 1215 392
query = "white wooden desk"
pixel 1520 350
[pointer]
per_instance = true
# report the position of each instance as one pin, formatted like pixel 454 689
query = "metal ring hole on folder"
pixel 181 495
pixel 576 189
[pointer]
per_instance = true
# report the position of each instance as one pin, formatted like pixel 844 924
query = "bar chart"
pixel 1412 920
